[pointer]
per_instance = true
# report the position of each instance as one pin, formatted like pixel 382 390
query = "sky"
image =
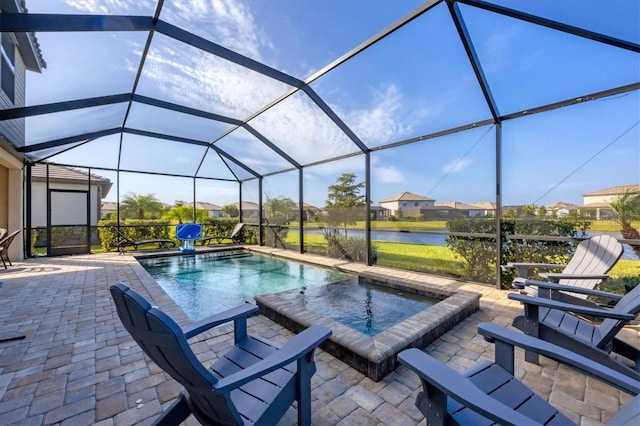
pixel 414 82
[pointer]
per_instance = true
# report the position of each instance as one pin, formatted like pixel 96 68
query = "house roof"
pixel 202 205
pixel 28 44
pixel 406 196
pixel 486 205
pixel 109 206
pixel 457 205
pixel 561 205
pixel 247 205
pixel 63 174
pixel 614 190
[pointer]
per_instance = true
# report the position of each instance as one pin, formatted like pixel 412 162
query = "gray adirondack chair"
pixel 557 322
pixel 488 393
pixel 254 382
pixel 587 268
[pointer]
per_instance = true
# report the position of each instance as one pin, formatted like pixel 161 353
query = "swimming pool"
pixel 365 307
pixel 208 283
pixel 374 354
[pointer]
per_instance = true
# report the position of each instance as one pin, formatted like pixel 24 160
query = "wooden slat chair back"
pixel 594 256
pixel 609 328
pixel 256 397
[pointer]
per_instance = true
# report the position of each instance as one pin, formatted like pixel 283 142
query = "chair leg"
pixel 177 413
pixel 4 264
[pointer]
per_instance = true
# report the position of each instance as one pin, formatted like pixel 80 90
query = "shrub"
pixel 479 252
pixel 135 229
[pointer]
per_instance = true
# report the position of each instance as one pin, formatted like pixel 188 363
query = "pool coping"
pixel 376 356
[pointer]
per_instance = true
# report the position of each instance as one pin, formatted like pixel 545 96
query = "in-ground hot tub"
pixel 369 350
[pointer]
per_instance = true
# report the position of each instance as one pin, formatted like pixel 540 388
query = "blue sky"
pixel 414 82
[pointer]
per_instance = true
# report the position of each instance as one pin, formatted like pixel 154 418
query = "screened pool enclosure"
pixel 437 111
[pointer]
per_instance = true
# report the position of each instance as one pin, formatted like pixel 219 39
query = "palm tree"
pixel 139 206
pixel 626 207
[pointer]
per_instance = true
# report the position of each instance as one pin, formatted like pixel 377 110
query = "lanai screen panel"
pixel 74 72
pixel 165 121
pixel 524 72
pixel 571 151
pixel 179 73
pixel 140 153
pixel 252 152
pixel 416 81
pixel 101 152
pixel 301 129
pixel 271 33
pixel 50 127
pixel 127 7
pixel 166 189
pixel 216 166
pixel 615 18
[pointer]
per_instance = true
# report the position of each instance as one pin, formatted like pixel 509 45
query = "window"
pixel 416 204
pixel 7 70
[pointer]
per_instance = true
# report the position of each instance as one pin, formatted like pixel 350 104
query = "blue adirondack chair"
pixel 557 322
pixel 488 393
pixel 254 382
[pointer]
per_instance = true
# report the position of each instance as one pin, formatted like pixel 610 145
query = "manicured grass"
pixel 418 257
pixel 434 259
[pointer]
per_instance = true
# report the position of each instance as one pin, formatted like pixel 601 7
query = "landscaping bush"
pixel 135 229
pixel 480 252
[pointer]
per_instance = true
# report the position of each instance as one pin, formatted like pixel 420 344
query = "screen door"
pixel 68 229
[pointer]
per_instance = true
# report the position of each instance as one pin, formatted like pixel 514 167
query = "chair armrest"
pixel 491 332
pixel 232 314
pixel 294 349
pixel 459 387
pixel 568 307
pixel 559 276
pixel 524 268
pixel 572 289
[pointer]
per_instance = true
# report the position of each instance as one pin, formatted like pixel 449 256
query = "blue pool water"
pixel 363 306
pixel 205 284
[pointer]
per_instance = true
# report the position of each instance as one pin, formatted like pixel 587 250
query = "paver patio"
pixel 77 365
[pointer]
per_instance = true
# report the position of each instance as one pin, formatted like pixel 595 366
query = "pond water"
pixel 438 238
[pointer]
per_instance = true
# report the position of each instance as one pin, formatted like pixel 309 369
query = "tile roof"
pixel 614 190
pixel 407 196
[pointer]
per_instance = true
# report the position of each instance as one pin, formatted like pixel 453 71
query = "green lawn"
pixel 434 259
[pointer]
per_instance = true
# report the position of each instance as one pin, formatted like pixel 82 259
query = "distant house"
pixel 213 210
pixel 108 207
pixel 486 208
pixel 451 209
pixel 599 200
pixel 409 203
pixel 561 208
pixel 249 209
pixel 66 179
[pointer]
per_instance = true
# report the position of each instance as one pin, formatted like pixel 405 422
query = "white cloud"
pixel 387 174
pixel 380 122
pixel 119 7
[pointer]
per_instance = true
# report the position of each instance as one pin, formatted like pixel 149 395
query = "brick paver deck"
pixel 76 365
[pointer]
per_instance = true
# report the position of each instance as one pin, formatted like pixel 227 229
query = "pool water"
pixel 368 308
pixel 205 284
